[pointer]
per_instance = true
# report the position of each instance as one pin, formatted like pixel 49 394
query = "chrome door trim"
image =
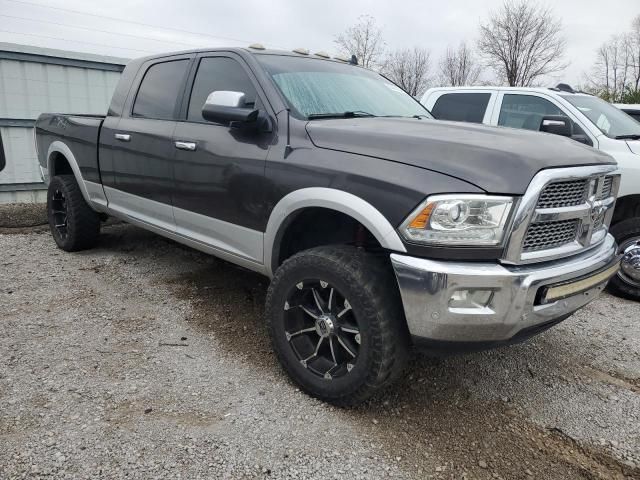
pixel 191 146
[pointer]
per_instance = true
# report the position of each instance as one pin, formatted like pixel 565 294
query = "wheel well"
pixel 626 207
pixel 59 165
pixel 313 227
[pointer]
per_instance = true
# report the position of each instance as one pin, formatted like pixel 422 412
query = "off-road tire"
pixel 624 231
pixel 367 280
pixel 82 222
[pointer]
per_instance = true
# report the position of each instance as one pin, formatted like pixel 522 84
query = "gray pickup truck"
pixel 379 227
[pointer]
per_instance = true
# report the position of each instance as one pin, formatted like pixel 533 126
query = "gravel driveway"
pixel 145 359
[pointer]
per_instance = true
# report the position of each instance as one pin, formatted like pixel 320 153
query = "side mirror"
pixel 224 106
pixel 557 124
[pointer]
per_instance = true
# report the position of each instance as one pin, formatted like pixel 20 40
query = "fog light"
pixel 468 298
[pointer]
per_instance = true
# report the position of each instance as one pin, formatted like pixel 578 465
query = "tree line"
pixel 518 45
pixel 616 71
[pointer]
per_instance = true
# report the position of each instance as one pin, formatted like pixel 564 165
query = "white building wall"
pixel 41 80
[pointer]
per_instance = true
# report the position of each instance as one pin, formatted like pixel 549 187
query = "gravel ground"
pixel 145 359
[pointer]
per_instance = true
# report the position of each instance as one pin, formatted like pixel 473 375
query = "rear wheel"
pixel 627 282
pixel 74 224
pixel 336 323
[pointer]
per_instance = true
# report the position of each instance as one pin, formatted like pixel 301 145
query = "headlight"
pixel 473 220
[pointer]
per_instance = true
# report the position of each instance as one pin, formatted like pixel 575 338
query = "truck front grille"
pixel 563 194
pixel 541 236
pixel 564 211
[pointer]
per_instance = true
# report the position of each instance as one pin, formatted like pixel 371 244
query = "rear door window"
pixel 461 107
pixel 159 91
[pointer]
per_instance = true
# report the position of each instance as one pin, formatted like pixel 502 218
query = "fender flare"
pixel 332 199
pixel 60 147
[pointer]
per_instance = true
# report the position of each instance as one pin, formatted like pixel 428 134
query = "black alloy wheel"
pixel 322 329
pixel 59 213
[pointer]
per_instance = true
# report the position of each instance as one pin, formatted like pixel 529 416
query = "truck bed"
pixel 80 133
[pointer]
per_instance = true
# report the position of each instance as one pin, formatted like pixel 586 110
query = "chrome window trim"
pixel 527 213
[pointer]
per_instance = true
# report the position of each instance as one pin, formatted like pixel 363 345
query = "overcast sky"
pixel 147 26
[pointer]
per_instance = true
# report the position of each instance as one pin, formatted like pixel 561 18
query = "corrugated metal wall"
pixel 27 89
pixel 22 165
pixel 30 85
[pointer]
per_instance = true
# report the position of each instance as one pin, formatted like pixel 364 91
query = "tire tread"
pixel 378 289
pixel 86 222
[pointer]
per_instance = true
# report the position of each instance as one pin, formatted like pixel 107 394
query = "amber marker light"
pixel 422 219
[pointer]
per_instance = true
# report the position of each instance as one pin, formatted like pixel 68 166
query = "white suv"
pixel 583 117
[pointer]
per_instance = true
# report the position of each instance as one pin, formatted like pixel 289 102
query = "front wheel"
pixel 627 282
pixel 336 323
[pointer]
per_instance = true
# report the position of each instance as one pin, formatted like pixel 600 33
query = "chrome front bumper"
pixel 427 288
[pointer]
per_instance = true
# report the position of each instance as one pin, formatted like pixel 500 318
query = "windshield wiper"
pixel 351 114
pixel 631 136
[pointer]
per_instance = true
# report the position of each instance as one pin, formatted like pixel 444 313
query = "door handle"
pixel 186 145
pixel 124 137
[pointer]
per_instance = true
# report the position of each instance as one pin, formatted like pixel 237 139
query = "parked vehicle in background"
pixel 582 117
pixel 378 226
pixel 630 109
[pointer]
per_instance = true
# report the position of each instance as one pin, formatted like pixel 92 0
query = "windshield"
pixel 609 120
pixel 316 88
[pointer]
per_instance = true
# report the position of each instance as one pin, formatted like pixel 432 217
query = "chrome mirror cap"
pixel 226 98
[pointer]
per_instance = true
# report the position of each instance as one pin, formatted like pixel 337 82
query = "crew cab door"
pixel 220 187
pixel 525 111
pixel 143 151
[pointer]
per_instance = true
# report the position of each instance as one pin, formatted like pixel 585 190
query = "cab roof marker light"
pixel 301 51
pixel 322 54
pixel 257 46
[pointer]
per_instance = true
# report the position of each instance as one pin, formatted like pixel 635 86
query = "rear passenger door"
pixel 143 152
pixel 474 106
pixel 220 186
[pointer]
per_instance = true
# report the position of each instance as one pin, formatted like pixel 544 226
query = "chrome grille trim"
pixel 606 188
pixel 594 201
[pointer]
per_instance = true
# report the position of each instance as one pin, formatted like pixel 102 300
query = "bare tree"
pixel 364 40
pixel 458 67
pixel 522 42
pixel 634 52
pixel 611 71
pixel 409 68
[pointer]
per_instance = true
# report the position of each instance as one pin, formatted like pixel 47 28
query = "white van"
pixel 583 117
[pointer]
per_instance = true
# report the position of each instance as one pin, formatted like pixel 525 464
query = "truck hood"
pixel 496 159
